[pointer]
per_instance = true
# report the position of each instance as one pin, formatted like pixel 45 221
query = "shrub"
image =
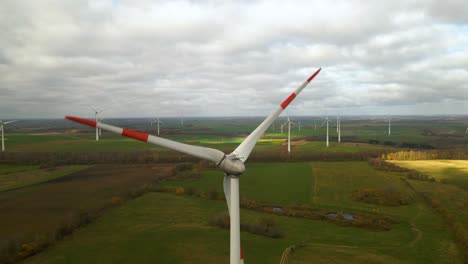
pixel 389 196
pixel 115 200
pixel 220 220
pixel 191 191
pixel 186 166
pixel 179 190
pixel 213 194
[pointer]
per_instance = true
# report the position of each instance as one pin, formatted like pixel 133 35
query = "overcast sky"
pixel 221 58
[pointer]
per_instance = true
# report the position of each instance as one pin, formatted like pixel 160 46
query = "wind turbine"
pixel 338 125
pixel 231 164
pixel 389 126
pixel 337 121
pixel 96 112
pixel 326 121
pixel 100 131
pixel 2 124
pixel 156 122
pixel 289 122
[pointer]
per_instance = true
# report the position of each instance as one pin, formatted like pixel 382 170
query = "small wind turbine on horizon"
pixel 338 126
pixel 389 126
pixel 96 112
pixel 156 122
pixel 2 127
pixel 233 164
pixel 289 122
pixel 326 121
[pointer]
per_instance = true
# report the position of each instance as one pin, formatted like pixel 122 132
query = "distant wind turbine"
pixel 326 121
pixel 337 121
pixel 389 126
pixel 96 112
pixel 338 125
pixel 289 122
pixel 2 124
pixel 157 122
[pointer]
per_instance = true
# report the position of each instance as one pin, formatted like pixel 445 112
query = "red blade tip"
pixel 313 75
pixel 81 120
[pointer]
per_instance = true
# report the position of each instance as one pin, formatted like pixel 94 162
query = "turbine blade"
pixel 245 148
pixel 8 122
pixel 201 152
pixel 93 109
pixel 324 121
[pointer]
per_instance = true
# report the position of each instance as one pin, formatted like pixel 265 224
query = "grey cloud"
pixel 233 58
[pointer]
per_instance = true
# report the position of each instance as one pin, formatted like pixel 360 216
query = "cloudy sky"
pixel 224 58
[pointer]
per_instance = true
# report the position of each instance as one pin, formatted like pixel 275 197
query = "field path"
pixel 416 230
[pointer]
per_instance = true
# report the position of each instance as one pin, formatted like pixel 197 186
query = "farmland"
pixel 128 219
pixel 151 228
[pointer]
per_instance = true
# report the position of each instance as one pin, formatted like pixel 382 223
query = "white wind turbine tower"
pixel 2 127
pixel 231 164
pixel 96 112
pixel 289 122
pixel 337 121
pixel 100 131
pixel 157 122
pixel 338 125
pixel 389 126
pixel 326 121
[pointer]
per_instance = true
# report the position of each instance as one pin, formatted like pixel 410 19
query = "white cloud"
pixel 229 58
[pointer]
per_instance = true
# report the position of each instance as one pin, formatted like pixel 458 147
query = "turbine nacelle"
pixel 232 165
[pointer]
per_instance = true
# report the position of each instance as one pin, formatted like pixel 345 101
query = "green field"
pixel 17 176
pixel 449 171
pixel 170 228
pixel 329 185
pixel 226 134
pixel 453 195
pixel 38 210
pixel 154 229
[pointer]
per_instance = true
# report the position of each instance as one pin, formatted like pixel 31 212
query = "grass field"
pixel 17 176
pixel 323 184
pixel 450 171
pixel 154 229
pixel 169 228
pixel 329 185
pixel 453 196
pixel 11 168
pixel 40 209
pixel 226 134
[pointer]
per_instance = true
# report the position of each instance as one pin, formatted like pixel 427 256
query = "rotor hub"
pixel 232 165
